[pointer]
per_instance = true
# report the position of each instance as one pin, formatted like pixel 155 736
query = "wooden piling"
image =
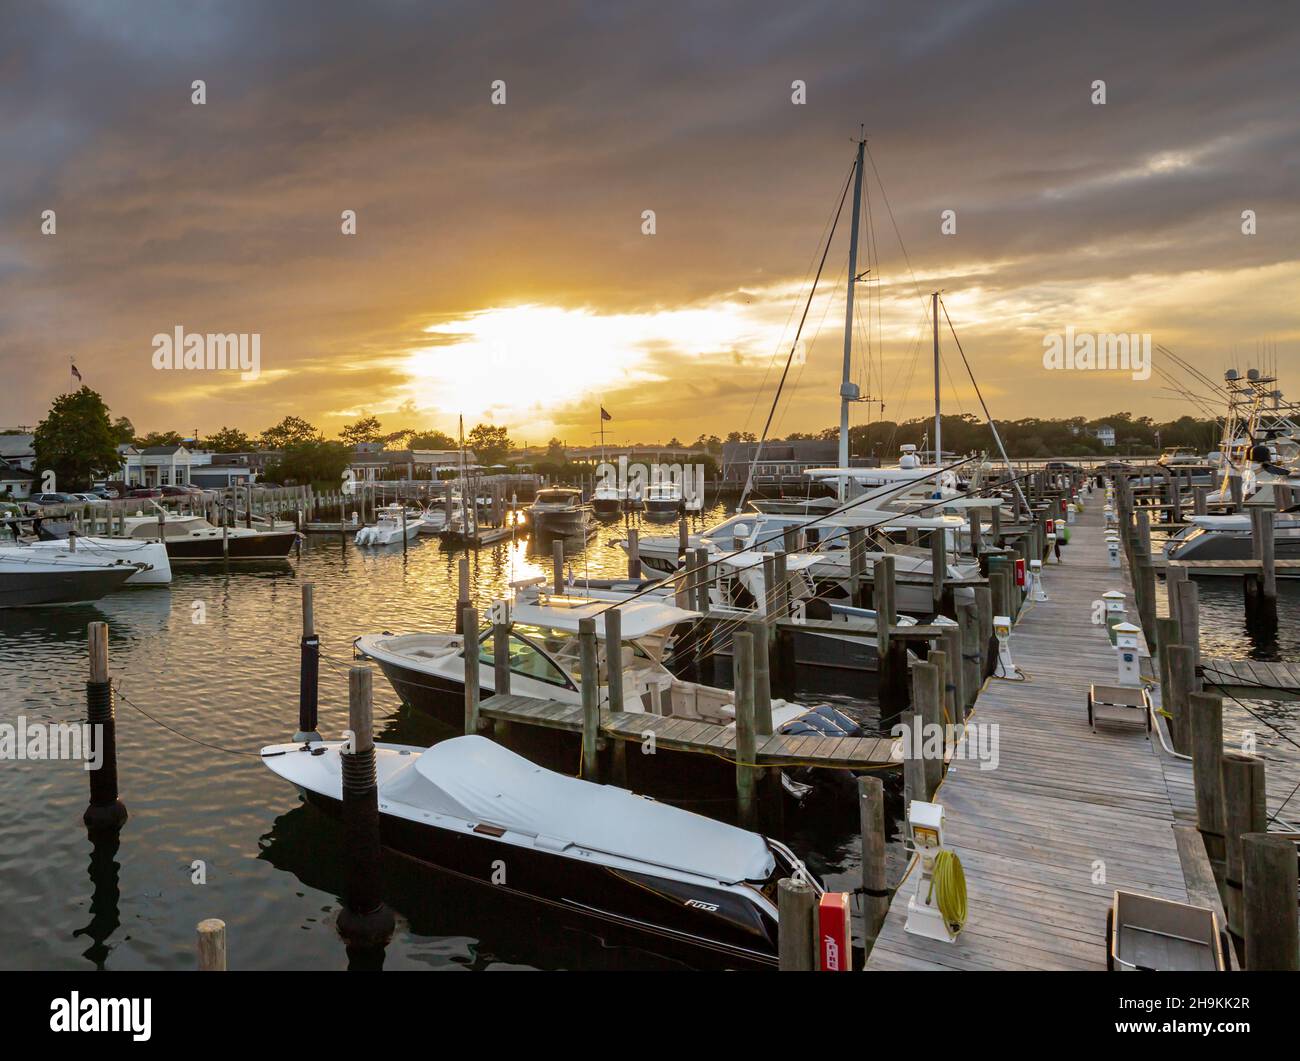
pixel 976 533
pixel 1182 684
pixel 308 670
pixel 857 565
pixel 105 812
pixel 557 566
pixel 365 921
pixel 614 657
pixel 760 630
pixel 1269 898
pixel 212 945
pixel 501 658
pixel 875 883
pixel 462 594
pixel 1244 811
pixel 882 591
pixel 927 711
pixel 1206 730
pixel 938 567
pixel 472 691
pixel 796 929
pixel 746 740
pixel 590 700
pixel 633 553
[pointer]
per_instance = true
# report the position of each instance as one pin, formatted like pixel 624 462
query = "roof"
pixel 640 617
pixel 16 445
pixel 478 780
pixel 160 451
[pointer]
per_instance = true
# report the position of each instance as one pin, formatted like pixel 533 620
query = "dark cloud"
pixel 226 217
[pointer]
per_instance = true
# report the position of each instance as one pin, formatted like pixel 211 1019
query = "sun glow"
pixel 530 362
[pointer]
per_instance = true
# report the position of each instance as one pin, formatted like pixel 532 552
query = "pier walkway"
pixel 1067 816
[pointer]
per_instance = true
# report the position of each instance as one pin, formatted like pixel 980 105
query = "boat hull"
pixel 43 586
pixel 733 934
pixel 263 545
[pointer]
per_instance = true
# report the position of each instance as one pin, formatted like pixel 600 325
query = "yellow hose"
pixel 950 882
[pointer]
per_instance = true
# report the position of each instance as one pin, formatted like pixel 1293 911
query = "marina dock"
pixel 1069 815
pixel 695 737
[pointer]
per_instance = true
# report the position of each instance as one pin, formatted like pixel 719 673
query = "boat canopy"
pixel 874 475
pixel 640 617
pixel 881 519
pixel 752 559
pixel 477 780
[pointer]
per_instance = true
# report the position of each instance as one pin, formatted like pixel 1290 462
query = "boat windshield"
pixel 526 659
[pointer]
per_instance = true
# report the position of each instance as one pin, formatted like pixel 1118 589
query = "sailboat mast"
pixel 938 423
pixel 848 392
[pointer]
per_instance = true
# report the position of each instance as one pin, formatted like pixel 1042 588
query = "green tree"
pixel 367 429
pixel 158 438
pixel 228 440
pixel 289 432
pixel 314 461
pixel 76 441
pixel 431 440
pixel 490 444
pixel 123 431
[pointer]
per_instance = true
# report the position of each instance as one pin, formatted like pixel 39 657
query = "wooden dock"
pixel 1249 677
pixel 1067 816
pixel 696 737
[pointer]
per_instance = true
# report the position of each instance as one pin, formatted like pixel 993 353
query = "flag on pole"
pixel 604 415
pixel 75 372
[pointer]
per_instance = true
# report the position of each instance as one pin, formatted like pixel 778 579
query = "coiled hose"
pixel 949 881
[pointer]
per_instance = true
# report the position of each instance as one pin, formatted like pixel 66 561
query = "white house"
pixel 15 483
pixel 155 465
pixel 18 451
pixel 1105 434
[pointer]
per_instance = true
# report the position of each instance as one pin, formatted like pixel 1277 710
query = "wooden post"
pixel 1206 718
pixel 472 691
pixel 1261 530
pixel 1187 597
pixel 759 630
pixel 976 532
pixel 683 539
pixel 365 921
pixel 780 587
pixel 212 945
pixel 987 650
pixel 742 647
pixel 875 883
pixel 796 926
pixel 501 658
pixel 633 553
pixel 968 622
pixel 308 670
pixel 1182 684
pixel 857 565
pixel 105 811
pixel 590 700
pixel 996 513
pixel 927 700
pixel 1244 811
pixel 938 566
pixel 882 591
pixel 614 657
pixel 702 580
pixel 403 529
pixel 557 566
pixel 952 706
pixel 1145 575
pixel 1269 898
pixel 1200 500
pixel 462 593
pixel 1234 489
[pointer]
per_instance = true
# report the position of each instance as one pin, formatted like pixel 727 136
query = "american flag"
pixel 604 415
pixel 75 372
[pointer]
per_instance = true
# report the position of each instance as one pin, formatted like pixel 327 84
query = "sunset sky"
pixel 499 267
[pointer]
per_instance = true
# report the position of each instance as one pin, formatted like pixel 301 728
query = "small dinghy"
pixel 474 808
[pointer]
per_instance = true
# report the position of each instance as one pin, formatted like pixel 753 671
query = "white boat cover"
pixel 640 617
pixel 753 559
pixel 477 780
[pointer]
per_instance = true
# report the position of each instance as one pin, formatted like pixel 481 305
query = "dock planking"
pixel 1067 816
pixel 695 736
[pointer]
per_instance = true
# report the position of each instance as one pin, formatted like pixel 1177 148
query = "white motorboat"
pixel 149 556
pixel 469 805
pixel 392 524
pixel 32 577
pixel 428 670
pixel 558 512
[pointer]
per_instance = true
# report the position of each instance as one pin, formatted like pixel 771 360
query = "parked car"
pixel 44 499
pixel 90 498
pixel 145 491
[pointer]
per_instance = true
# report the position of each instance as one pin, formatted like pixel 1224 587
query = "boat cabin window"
pixel 525 659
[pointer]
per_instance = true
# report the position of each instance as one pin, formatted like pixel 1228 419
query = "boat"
pixel 153 566
pixel 558 512
pixel 34 577
pixel 469 806
pixel 1228 537
pixel 664 500
pixel 609 501
pixel 428 670
pixel 192 539
pixel 392 523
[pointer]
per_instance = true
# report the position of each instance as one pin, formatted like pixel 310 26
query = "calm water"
pixel 273 866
